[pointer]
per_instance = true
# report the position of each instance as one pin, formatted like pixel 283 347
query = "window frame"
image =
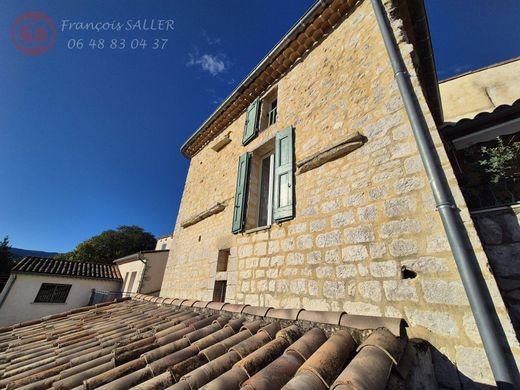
pixel 55 296
pixel 270 191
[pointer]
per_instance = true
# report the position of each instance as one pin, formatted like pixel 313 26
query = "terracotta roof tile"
pixel 144 345
pixel 38 265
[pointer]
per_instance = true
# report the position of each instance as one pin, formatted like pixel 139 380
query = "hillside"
pixel 18 252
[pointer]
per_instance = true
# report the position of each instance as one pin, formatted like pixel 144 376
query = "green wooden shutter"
pixel 240 193
pixel 251 126
pixel 284 176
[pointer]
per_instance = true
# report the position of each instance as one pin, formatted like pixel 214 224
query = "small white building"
pixel 163 242
pixel 39 287
pixel 143 271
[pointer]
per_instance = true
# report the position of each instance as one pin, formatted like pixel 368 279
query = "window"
pixel 163 246
pixel 265 196
pixel 222 260
pixel 260 114
pixel 219 291
pixel 271 115
pixel 268 109
pixel 264 192
pixel 53 293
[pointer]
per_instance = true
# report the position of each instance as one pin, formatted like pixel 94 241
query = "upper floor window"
pixel 261 113
pixel 53 293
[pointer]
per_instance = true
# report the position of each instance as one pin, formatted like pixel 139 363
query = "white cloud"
pixel 214 64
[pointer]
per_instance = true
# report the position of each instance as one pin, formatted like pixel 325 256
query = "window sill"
pixel 257 229
pixel 48 303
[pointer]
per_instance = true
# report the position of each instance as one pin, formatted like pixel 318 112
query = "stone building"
pixel 479 107
pixel 306 190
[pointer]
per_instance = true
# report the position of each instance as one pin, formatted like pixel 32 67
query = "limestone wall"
pixel 499 230
pixel 359 219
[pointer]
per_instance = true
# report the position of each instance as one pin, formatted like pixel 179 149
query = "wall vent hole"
pixel 407 273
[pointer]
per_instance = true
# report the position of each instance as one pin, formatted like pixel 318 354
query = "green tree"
pixel 111 245
pixel 501 161
pixel 6 261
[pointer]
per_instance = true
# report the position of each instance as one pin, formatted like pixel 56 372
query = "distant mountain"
pixel 17 252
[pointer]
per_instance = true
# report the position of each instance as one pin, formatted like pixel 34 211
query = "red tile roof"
pixel 38 265
pixel 156 343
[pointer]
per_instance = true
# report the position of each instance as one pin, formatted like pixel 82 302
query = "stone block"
pixel 427 265
pixel 342 219
pixel 324 272
pixel 328 239
pixel 445 292
pixel 294 258
pixel 402 247
pixel 368 213
pixel 377 250
pixel 359 234
pixel 362 308
pixel 297 286
pixel 437 243
pixel 384 269
pixel 370 290
pixel 297 228
pixel 304 242
pixel 245 250
pixel 400 290
pixel 330 206
pixel 408 184
pixel 260 249
pixel 399 228
pixel 317 226
pixel 287 244
pixel 413 165
pixel 435 321
pixel 400 206
pixel 333 290
pixel 346 271
pixel 354 253
pixel 332 256
pixel 277 261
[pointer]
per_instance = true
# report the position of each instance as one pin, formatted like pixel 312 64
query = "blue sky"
pixel 89 139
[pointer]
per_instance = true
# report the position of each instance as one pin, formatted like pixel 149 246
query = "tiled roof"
pixel 499 111
pixel 155 343
pixel 38 265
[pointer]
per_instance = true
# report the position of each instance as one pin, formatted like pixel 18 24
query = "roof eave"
pixel 309 15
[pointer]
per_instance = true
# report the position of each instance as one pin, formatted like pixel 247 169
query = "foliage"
pixel 499 161
pixel 6 261
pixel 111 245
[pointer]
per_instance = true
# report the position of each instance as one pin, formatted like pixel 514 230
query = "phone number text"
pixel 117 44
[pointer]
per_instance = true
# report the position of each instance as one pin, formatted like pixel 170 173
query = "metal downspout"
pixel 491 332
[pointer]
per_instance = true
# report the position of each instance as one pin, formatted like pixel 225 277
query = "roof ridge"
pixel 85 269
pixel 339 318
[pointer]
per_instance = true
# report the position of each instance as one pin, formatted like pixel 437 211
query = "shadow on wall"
pixel 449 377
pixel 499 231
